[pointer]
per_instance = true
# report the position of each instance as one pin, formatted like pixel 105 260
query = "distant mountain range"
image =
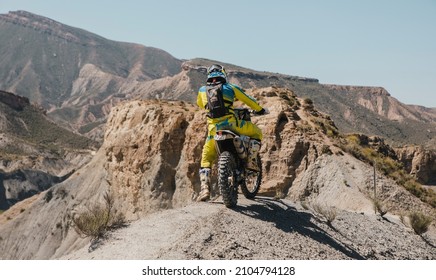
pixel 78 77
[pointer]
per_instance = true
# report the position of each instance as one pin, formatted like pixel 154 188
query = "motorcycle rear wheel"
pixel 251 184
pixel 227 179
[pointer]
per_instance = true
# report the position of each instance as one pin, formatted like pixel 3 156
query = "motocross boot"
pixel 205 184
pixel 252 155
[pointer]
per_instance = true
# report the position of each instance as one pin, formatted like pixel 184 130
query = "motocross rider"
pixel 217 78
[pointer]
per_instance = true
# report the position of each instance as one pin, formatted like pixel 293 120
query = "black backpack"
pixel 215 101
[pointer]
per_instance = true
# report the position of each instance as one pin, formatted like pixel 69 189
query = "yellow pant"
pixel 242 128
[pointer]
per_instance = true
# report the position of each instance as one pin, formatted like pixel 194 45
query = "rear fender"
pixel 224 141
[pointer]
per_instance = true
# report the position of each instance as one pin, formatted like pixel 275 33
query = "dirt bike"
pixel 232 163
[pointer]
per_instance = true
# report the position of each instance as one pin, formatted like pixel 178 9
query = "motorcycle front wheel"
pixel 227 179
pixel 251 184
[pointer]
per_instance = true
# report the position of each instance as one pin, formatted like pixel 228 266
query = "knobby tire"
pixel 251 184
pixel 227 179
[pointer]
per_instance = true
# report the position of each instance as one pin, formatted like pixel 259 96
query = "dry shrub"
pixel 304 205
pixel 403 219
pixel 98 219
pixel 380 207
pixel 308 101
pixel 325 149
pixel 329 213
pixel 419 222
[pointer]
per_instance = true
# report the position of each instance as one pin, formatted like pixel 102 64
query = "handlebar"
pixel 265 112
pixel 245 113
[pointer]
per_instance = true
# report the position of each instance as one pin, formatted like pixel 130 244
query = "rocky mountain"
pixel 35 153
pixel 73 74
pixel 78 77
pixel 149 164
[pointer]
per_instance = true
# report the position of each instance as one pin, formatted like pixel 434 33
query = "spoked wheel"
pixel 227 179
pixel 250 186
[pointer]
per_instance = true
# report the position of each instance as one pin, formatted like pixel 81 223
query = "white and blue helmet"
pixel 218 72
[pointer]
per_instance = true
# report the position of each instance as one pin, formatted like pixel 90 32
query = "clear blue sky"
pixel 374 43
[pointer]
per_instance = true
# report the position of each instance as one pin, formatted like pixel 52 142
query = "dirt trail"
pixel 260 229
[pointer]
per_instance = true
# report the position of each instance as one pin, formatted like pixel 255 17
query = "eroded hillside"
pixel 149 162
pixel 75 75
pixel 35 153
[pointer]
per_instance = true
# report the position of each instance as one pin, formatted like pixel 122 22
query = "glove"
pixel 264 111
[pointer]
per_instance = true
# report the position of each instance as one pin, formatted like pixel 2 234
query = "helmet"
pixel 218 72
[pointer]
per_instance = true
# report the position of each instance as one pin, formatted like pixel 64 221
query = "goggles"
pixel 215 68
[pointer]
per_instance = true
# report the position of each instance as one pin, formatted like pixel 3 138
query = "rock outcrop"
pixel 151 151
pixel 419 162
pixel 14 101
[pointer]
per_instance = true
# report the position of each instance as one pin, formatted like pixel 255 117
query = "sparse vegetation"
pixel 308 101
pixel 327 127
pixel 308 104
pixel 402 219
pixel 329 213
pixel 290 100
pixel 48 195
pixel 97 220
pixel 326 150
pixel 88 127
pixel 380 207
pixel 419 222
pixel 30 130
pixel 43 132
pixel 304 127
pixel 279 194
pixel 388 167
pixel 304 205
pixel 61 193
